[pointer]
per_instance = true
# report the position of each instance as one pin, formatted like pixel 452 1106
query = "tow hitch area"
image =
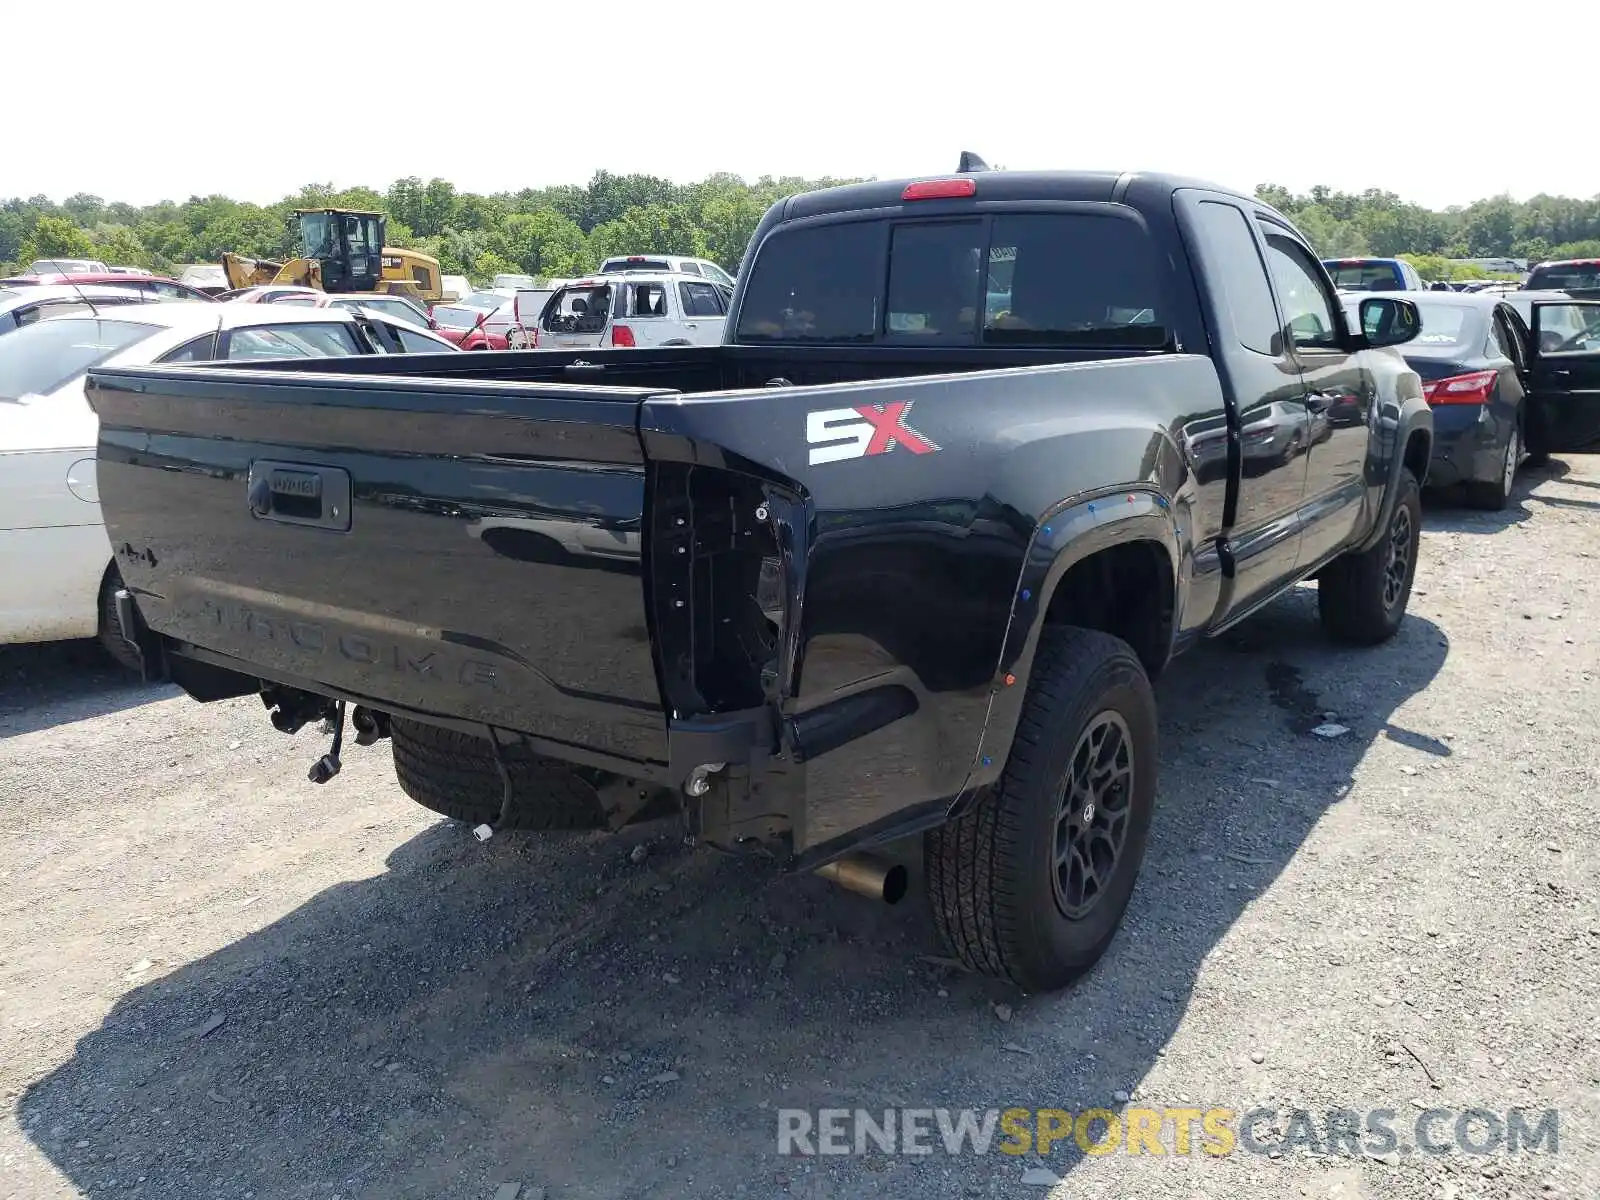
pixel 292 710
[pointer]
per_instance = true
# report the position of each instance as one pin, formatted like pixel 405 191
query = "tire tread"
pixel 979 906
pixel 454 774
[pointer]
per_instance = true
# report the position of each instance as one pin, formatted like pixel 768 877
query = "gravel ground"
pixel 219 980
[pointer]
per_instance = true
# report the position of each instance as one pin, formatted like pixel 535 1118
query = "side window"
pixel 293 341
pixel 578 310
pixel 1307 308
pixel 717 274
pixel 51 308
pixel 699 300
pixel 1568 328
pixel 414 343
pixel 689 268
pixel 1242 277
pixel 649 300
pixel 1500 340
pixel 200 349
pixel 382 335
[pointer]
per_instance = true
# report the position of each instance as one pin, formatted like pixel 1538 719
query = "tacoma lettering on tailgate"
pixel 432 666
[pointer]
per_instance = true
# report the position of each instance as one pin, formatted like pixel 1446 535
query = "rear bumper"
pixel 757 763
pixel 1468 446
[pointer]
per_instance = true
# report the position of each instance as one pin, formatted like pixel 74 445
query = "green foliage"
pixel 55 237
pixel 1377 222
pixel 566 229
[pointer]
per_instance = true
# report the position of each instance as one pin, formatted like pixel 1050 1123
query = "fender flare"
pixel 1415 418
pixel 1067 534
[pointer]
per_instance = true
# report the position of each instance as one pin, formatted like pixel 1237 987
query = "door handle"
pixel 690 325
pixel 299 494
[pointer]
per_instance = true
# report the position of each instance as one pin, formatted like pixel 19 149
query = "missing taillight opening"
pixel 718 588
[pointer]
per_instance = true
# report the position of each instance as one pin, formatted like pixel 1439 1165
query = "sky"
pixel 253 100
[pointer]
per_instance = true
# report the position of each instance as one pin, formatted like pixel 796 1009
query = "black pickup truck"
pixel 980 454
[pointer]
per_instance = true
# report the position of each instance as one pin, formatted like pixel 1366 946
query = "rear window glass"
pixel 1366 276
pixel 816 284
pixel 636 264
pixel 40 358
pixel 450 316
pixel 293 341
pixel 1070 280
pixel 1560 276
pixel 579 310
pixel 1446 325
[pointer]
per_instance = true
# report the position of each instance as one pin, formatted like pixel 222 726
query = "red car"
pixel 156 285
pixel 472 328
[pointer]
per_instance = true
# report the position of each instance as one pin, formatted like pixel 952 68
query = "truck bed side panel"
pixel 910 556
pixel 490 569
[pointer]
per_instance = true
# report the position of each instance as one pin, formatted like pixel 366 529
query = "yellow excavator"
pixel 343 251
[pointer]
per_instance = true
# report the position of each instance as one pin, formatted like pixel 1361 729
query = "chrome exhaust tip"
pixel 869 877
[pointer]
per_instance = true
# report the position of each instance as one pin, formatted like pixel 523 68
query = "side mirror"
pixel 1389 321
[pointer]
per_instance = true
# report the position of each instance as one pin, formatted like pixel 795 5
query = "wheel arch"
pixel 1081 557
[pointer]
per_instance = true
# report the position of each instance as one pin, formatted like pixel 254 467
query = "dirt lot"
pixel 219 980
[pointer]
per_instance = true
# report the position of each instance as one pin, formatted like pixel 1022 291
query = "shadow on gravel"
pixel 56 682
pixel 1446 508
pixel 545 1011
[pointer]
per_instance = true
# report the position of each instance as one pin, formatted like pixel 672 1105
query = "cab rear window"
pixel 1366 276
pixel 1559 277
pixel 1025 279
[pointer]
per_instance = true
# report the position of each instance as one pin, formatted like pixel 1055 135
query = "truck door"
pixel 1564 375
pixel 1337 396
pixel 1256 455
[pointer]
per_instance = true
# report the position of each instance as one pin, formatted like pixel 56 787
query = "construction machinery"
pixel 342 250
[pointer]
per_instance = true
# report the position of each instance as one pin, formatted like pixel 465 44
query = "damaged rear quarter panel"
pixel 911 564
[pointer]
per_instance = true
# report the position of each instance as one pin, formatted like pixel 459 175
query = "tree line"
pixel 568 229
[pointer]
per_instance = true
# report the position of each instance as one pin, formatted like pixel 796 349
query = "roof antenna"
pixel 970 162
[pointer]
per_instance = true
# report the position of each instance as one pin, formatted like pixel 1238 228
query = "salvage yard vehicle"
pixel 57 573
pixel 1497 398
pixel 880 565
pixel 1563 367
pixel 1373 275
pixel 1575 276
pixel 157 287
pixel 675 264
pixel 401 308
pixel 23 306
pixel 636 310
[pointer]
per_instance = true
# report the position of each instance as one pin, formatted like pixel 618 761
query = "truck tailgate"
pixel 467 548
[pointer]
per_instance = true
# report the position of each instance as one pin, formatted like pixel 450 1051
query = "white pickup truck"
pixel 635 310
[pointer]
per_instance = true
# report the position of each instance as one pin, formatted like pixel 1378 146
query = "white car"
pixel 22 306
pixel 624 263
pixel 402 308
pixel 640 311
pixel 57 574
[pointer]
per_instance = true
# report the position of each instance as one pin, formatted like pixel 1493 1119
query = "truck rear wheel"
pixel 454 773
pixel 1362 595
pixel 1031 883
pixel 110 634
